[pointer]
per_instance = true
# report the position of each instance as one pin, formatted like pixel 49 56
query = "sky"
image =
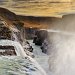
pixel 40 7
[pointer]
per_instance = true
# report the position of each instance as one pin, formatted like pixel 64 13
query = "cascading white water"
pixel 62 53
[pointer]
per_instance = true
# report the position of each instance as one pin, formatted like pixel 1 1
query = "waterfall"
pixel 14 36
pixel 62 53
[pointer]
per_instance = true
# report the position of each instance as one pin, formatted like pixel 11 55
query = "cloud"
pixel 40 7
pixel 3 2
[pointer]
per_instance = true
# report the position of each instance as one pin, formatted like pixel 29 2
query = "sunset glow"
pixel 39 7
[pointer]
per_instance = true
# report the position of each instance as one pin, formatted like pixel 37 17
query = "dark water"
pixel 39 7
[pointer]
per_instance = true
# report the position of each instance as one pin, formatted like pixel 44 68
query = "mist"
pixel 62 46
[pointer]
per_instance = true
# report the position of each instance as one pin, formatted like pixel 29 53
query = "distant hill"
pixel 5 13
pixel 67 22
pixel 29 21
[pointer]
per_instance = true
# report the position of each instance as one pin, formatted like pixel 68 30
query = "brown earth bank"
pixel 66 23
